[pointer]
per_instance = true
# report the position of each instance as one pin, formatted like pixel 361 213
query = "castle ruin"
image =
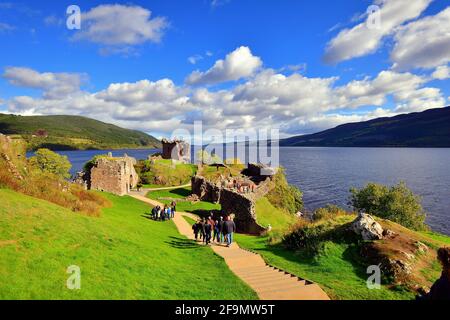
pixel 177 150
pixel 257 180
pixel 113 174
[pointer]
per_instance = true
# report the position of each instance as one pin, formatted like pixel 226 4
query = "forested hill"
pixel 62 132
pixel 430 128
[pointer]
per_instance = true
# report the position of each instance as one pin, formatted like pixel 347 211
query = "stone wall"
pixel 177 150
pixel 115 175
pixel 242 206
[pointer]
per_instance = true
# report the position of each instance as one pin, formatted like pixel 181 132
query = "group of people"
pixel 220 230
pixel 165 213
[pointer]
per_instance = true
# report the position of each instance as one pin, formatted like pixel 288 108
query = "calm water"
pixel 325 175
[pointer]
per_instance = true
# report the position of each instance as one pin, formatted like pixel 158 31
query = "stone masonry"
pixel 177 150
pixel 241 205
pixel 115 175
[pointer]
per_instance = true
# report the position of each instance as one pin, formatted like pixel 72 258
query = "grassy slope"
pixel 334 270
pixel 169 174
pixel 74 132
pixel 337 268
pixel 267 214
pixel 181 193
pixel 122 255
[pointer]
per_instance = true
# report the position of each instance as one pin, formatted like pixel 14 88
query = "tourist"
pixel 202 230
pixel 173 204
pixel 196 227
pixel 441 288
pixel 168 213
pixel 208 230
pixel 154 212
pixel 219 227
pixel 216 235
pixel 229 228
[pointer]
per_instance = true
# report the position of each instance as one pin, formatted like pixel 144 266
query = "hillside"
pixel 73 133
pixel 121 255
pixel 430 128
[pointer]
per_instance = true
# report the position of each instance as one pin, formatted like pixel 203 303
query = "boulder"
pixel 367 227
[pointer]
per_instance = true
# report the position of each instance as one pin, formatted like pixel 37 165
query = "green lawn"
pixel 334 269
pixel 181 193
pixel 267 214
pixel 122 255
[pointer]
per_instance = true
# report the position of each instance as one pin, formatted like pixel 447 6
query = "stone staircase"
pixel 270 283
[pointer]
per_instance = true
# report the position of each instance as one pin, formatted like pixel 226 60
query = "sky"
pixel 156 66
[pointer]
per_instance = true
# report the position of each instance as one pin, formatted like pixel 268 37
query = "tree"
pixel 396 203
pixel 51 162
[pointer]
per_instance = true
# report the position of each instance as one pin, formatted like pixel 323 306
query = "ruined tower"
pixel 177 150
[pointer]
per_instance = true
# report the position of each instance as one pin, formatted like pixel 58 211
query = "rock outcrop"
pixel 367 227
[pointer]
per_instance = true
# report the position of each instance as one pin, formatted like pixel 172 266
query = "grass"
pixel 165 173
pixel 122 255
pixel 267 214
pixel 181 193
pixel 334 269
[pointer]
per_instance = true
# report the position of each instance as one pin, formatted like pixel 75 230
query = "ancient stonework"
pixel 241 205
pixel 177 150
pixel 115 175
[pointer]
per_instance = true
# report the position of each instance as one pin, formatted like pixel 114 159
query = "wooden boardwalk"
pixel 268 282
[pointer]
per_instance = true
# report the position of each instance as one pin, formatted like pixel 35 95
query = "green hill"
pixel 121 255
pixel 73 133
pixel 429 128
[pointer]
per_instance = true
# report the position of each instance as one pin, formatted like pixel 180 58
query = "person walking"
pixel 229 227
pixel 216 234
pixel 196 228
pixel 208 229
pixel 202 230
pixel 220 237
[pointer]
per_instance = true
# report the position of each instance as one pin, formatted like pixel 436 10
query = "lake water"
pixel 325 175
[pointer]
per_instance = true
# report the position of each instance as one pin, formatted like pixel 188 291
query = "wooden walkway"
pixel 268 282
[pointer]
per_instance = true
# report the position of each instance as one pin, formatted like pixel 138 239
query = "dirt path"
pixel 164 188
pixel 268 282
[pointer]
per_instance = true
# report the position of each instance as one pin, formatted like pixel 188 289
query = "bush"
pixel 328 212
pixel 397 203
pixel 164 172
pixel 285 196
pixel 51 162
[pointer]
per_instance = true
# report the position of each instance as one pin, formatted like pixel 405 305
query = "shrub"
pixel 396 203
pixel 285 196
pixel 328 212
pixel 51 162
pixel 164 173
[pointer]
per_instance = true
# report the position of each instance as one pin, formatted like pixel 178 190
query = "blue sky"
pixel 301 66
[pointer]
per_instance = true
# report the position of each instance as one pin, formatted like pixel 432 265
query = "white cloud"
pixel 424 43
pixel 53 84
pixel 294 102
pixel 441 73
pixel 240 63
pixel 361 40
pixel 120 25
pixel 5 27
pixel 195 58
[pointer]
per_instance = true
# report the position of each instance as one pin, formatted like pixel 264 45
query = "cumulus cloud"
pixel 424 43
pixel 240 63
pixel 441 73
pixel 361 40
pixel 295 103
pixel 120 25
pixel 52 84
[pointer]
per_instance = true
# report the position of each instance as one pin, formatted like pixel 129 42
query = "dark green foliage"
pixel 396 203
pixel 285 196
pixel 425 129
pixel 73 132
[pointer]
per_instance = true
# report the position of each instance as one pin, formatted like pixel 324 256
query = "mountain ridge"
pixel 429 128
pixel 66 132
